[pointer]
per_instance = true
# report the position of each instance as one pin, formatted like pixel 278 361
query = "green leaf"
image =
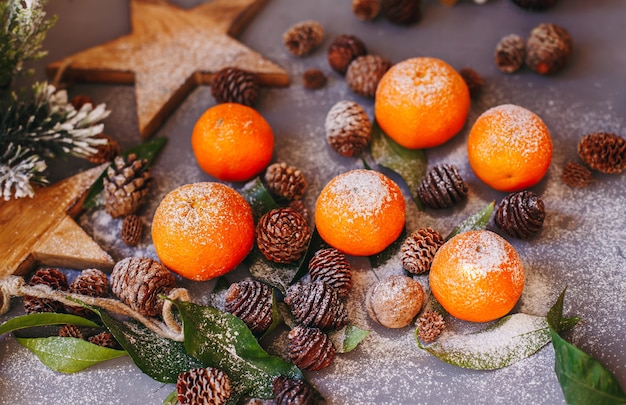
pixel 67 354
pixel 583 379
pixel 147 150
pixel 44 319
pixel 477 221
pixel 258 197
pixel 348 338
pixel 277 317
pixel 514 337
pixel 222 340
pixel 160 358
pixel 171 399
pixel 410 164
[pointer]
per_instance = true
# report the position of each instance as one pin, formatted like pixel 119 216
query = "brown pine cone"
pixel 548 48
pixel 132 230
pixel 316 305
pixel 302 38
pixel 535 4
pixel 251 301
pixel 203 386
pixel 442 187
pixel 576 175
pixel 348 128
pixel 298 206
pixel 430 325
pixel 402 12
pixel 473 80
pixel 419 248
pixel 285 182
pixel 126 185
pixel 332 267
pixel 313 79
pixel 603 151
pixel 54 279
pixel 344 49
pixel 70 331
pixel 366 10
pixel 105 152
pixel 364 74
pixel 92 283
pixel 510 53
pixel 79 101
pixel 104 339
pixel 521 214
pixel 233 85
pixel 138 282
pixel 288 391
pixel 310 348
pixel 283 235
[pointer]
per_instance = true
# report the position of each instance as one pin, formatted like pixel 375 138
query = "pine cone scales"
pixel 548 48
pixel 52 278
pixel 92 283
pixel 232 85
pixel 285 182
pixel 331 266
pixel 251 301
pixel 203 386
pixel 418 250
pixel 521 214
pixel 316 305
pixel 403 12
pixel 302 38
pixel 364 74
pixel 510 53
pixel 292 392
pixel 126 185
pixel 604 152
pixel 430 325
pixel 138 282
pixel 348 128
pixel 343 50
pixel 310 348
pixel 576 175
pixel 283 235
pixel 442 187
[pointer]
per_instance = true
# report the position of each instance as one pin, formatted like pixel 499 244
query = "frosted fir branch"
pixel 18 171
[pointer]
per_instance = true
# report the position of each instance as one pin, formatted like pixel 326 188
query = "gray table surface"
pixel 582 245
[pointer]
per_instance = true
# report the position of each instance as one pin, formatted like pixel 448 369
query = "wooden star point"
pixel 41 230
pixel 169 52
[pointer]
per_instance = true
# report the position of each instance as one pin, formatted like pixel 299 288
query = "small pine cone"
pixel 285 182
pixel 402 12
pixel 521 214
pixel 576 175
pixel 138 282
pixel 430 325
pixel 104 339
pixel 251 301
pixel 298 206
pixel 203 386
pixel 54 279
pixel 510 53
pixel 302 38
pixel 310 348
pixel 316 305
pixel 535 4
pixel 348 128
pixel 442 187
pixel 288 391
pixel 126 185
pixel 92 283
pixel 364 74
pixel 70 331
pixel 105 152
pixel 283 235
pixel 232 85
pixel 473 80
pixel 366 10
pixel 548 48
pixel 419 248
pixel 132 230
pixel 344 49
pixel 313 79
pixel 332 267
pixel 604 152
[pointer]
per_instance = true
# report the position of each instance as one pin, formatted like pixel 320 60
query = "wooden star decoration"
pixel 40 230
pixel 169 52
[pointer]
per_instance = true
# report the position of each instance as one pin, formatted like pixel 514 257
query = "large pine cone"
pixel 283 235
pixel 343 50
pixel 126 185
pixel 251 301
pixel 521 214
pixel 54 279
pixel 199 386
pixel 332 267
pixel 603 151
pixel 419 248
pixel 348 128
pixel 303 37
pixel 442 187
pixel 285 182
pixel 92 283
pixel 232 85
pixel 316 305
pixel 288 391
pixel 403 12
pixel 310 348
pixel 138 282
pixel 548 48
pixel 364 74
